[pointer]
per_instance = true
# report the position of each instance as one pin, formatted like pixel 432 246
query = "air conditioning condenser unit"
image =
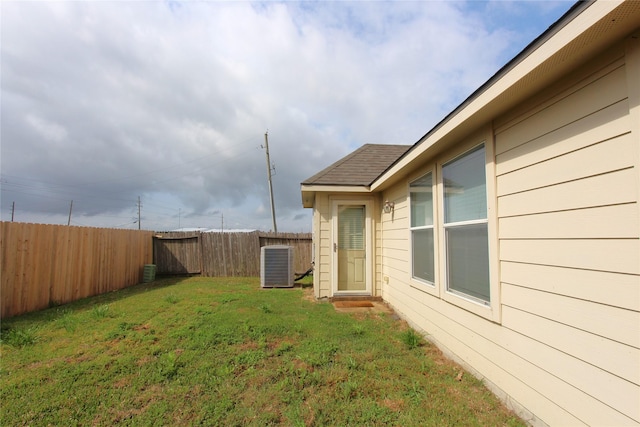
pixel 276 266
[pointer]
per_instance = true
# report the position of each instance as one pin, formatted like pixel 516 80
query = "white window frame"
pixel 447 279
pixel 439 289
pixel 417 282
pixel 489 309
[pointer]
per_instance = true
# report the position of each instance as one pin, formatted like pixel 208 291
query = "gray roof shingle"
pixel 361 167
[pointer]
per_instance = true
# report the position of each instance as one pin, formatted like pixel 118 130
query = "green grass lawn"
pixel 223 352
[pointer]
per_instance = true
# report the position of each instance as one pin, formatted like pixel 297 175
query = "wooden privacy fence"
pixel 44 265
pixel 54 264
pixel 224 254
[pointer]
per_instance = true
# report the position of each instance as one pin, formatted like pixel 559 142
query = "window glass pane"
pixel 468 260
pixel 422 241
pixel 421 201
pixel 465 187
pixel 351 227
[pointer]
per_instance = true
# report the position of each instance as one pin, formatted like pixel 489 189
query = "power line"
pixel 217 155
pixel 70 191
pixel 36 190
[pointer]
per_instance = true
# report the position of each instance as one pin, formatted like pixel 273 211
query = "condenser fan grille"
pixel 276 266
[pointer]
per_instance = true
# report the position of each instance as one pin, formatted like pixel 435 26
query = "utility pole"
pixel 138 212
pixel 70 209
pixel 273 207
pixel 13 209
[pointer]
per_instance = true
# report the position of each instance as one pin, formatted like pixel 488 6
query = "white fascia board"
pixel 336 188
pixel 309 191
pixel 570 31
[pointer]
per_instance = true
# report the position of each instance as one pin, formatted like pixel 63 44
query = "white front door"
pixel 351 248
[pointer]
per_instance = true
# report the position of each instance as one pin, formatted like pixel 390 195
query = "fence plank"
pixel 8 266
pixel 230 254
pixel 53 264
pixel 46 264
pixel 301 242
pixel 174 254
pixel 238 254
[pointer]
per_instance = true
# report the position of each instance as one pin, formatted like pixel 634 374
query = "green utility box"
pixel 149 273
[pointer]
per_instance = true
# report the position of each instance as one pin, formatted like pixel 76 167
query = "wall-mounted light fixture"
pixel 388 206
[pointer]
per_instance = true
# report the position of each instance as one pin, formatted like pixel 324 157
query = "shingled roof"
pixel 361 167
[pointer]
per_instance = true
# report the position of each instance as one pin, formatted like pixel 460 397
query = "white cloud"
pixel 49 131
pixel 107 101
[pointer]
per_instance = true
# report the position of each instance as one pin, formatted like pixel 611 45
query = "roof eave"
pixel 481 106
pixel 309 191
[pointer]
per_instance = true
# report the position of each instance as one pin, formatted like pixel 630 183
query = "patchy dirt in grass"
pixel 44 363
pixel 144 360
pixel 395 405
pixel 78 358
pixel 120 416
pixel 307 294
pixel 264 375
pixel 352 304
pixel 144 327
pixel 362 307
pixel 122 383
pixel 248 345
pixel 301 365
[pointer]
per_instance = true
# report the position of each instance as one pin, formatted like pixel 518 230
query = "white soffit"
pixel 309 191
pixel 575 38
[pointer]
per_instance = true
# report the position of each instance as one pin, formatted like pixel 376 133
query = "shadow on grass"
pixel 89 303
pixel 303 285
pixel 57 310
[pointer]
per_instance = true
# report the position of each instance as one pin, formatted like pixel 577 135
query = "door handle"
pixel 335 247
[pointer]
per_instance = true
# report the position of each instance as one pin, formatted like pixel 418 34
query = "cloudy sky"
pixel 103 102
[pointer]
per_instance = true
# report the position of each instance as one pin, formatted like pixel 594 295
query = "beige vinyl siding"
pixel 322 268
pixel 377 248
pixel 621 290
pixel 396 264
pixel 567 345
pixel 486 348
pixel 529 372
pixel 598 91
pixel 502 358
pixel 600 158
pixel 567 187
pixel 591 348
pixel 616 187
pixel 600 222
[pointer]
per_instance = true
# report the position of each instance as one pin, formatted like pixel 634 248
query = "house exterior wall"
pixel 562 346
pixel 323 244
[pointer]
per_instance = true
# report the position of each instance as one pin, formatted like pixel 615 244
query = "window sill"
pixel 424 286
pixel 480 308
